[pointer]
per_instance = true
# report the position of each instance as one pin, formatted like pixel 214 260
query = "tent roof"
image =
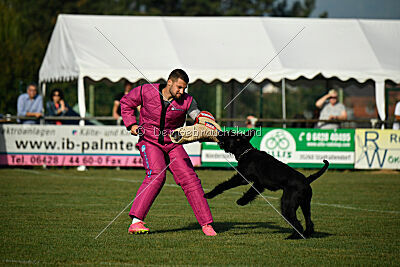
pixel 223 48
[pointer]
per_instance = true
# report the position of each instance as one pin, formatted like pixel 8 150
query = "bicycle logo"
pixel 278 140
pixel 279 144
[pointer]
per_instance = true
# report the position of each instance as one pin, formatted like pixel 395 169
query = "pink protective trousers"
pixel 156 158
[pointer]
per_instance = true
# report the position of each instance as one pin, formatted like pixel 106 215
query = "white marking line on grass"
pixel 353 208
pixel 117 263
pixel 340 206
pixel 31 262
pixel 29 171
pixel 265 199
pixel 139 181
pixel 271 197
pixel 275 198
pixel 56 175
pixel 134 199
pixel 22 262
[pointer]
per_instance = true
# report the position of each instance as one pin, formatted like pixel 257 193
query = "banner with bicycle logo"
pixel 302 148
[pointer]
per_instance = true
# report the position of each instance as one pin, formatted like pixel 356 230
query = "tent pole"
pixel 43 93
pixel 232 106
pixel 91 99
pixel 81 100
pixel 43 89
pixel 218 101
pixel 283 102
pixel 380 99
pixel 260 114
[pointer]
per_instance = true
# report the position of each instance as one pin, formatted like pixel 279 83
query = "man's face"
pixel 177 88
pixel 128 87
pixel 333 99
pixel 32 91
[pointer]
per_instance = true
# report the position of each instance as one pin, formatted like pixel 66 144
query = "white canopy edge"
pixel 222 48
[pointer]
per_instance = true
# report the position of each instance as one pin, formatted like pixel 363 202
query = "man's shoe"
pixel 138 228
pixel 208 230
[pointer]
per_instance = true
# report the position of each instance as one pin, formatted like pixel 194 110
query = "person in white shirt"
pixel 396 124
pixel 331 109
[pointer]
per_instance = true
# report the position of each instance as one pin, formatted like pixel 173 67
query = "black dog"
pixel 266 172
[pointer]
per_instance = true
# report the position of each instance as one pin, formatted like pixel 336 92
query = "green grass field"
pixel 53 216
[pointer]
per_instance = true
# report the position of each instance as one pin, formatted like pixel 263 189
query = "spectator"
pixel 30 104
pixel 396 124
pixel 331 109
pixel 251 121
pixel 56 106
pixel 117 107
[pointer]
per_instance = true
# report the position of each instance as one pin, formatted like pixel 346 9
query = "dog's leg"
pixel 306 208
pixel 290 202
pixel 234 181
pixel 250 195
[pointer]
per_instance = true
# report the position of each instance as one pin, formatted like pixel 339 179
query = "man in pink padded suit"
pixel 163 109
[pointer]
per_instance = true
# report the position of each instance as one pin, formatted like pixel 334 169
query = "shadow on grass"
pixel 221 227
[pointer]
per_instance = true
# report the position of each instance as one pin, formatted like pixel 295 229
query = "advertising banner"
pixel 377 149
pixel 62 145
pixel 303 148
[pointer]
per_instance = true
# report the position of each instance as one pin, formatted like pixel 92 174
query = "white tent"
pixel 223 48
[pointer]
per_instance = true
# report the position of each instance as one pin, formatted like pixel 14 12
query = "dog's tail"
pixel 315 176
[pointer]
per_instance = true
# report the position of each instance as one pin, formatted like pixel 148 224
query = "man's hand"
pixel 134 130
pixel 63 106
pixel 331 94
pixel 34 114
pixel 342 116
pixel 331 117
pixel 115 109
pixel 320 102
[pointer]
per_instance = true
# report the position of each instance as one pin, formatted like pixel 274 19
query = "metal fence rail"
pixel 265 122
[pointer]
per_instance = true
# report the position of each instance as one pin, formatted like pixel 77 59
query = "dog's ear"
pixel 250 133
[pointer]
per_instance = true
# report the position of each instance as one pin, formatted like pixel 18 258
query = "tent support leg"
pixel 218 101
pixel 283 101
pixel 380 99
pixel 232 105
pixel 261 107
pixel 91 99
pixel 81 100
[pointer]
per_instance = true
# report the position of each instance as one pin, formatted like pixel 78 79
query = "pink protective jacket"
pixel 156 121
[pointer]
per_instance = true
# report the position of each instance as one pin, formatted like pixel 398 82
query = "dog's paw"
pixel 308 233
pixel 293 236
pixel 241 202
pixel 208 195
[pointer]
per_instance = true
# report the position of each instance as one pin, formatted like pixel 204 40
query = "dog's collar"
pixel 247 150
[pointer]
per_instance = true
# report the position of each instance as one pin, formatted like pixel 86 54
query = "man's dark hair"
pixel 60 93
pixel 179 74
pixel 127 82
pixel 32 84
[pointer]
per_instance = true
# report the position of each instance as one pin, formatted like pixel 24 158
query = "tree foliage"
pixel 26 26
